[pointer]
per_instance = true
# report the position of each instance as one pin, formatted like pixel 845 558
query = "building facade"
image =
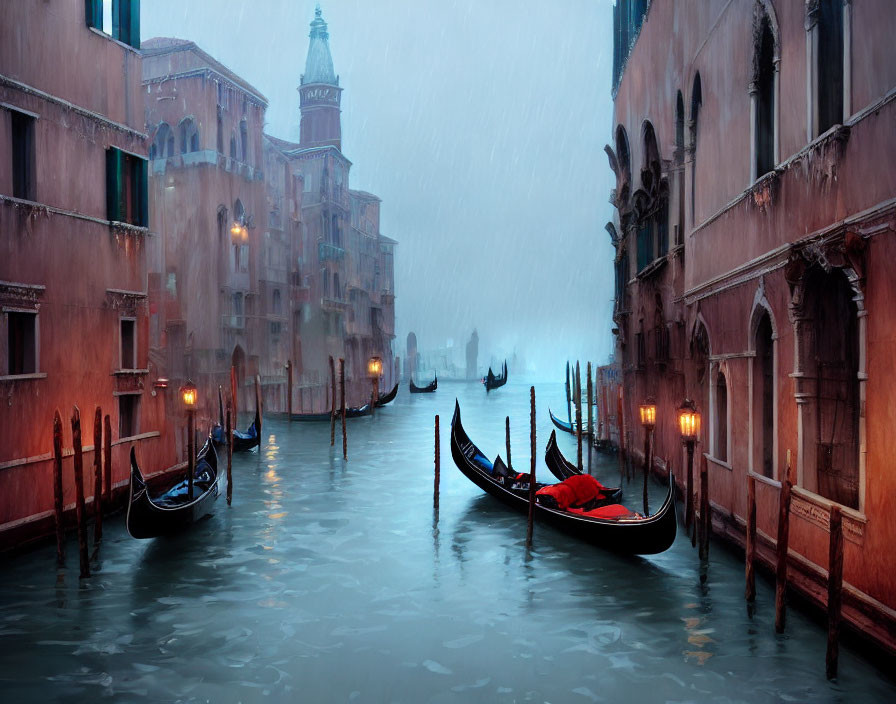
pixel 75 231
pixel 755 219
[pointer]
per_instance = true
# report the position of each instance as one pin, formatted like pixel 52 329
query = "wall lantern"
pixel 648 413
pixel 189 395
pixel 688 421
pixel 375 367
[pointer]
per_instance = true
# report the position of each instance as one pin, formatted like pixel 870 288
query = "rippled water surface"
pixel 332 581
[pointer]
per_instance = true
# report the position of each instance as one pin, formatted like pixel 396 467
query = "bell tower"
pixel 319 92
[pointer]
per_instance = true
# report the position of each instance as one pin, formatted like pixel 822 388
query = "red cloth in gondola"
pixel 611 511
pixel 575 491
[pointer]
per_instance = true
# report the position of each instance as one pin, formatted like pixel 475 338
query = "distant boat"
pixel 612 526
pixel 174 510
pixel 428 389
pixel 241 441
pixel 493 382
pixel 564 426
pixel 386 398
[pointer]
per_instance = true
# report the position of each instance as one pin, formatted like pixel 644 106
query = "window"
pixel 163 145
pixel 127 415
pixel 696 104
pixel 830 64
pixel 763 98
pixel 679 160
pixel 118 18
pixel 219 140
pixel 21 338
pixel 621 279
pixel 233 146
pixel 763 398
pixel 721 439
pixel 23 180
pixel 126 188
pixel 277 304
pixel 189 136
pixel 244 141
pixel 128 343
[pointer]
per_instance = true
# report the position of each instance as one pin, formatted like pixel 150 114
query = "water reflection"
pixel 338 581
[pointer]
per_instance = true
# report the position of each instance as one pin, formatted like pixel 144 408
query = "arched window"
pixel 233 146
pixel 624 160
pixel 337 291
pixel 325 279
pixel 244 141
pixel 651 203
pixel 679 162
pixel 163 144
pixel 696 104
pixel 830 64
pixel 763 99
pixel 763 398
pixel 219 140
pixel 721 419
pixel 277 304
pixel 189 136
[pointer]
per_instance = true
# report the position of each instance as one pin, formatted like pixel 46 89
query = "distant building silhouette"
pixel 472 355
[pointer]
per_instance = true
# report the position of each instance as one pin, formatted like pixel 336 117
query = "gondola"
pixel 563 469
pixel 349 413
pixel 428 389
pixel 241 441
pixel 386 398
pixel 626 533
pixel 173 510
pixel 566 427
pixel 494 382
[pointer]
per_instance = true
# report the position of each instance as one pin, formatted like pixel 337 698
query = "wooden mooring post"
pixel 234 393
pixel 333 401
pixel 98 476
pixel 531 519
pixel 621 443
pixel 228 429
pixel 289 390
pixel 689 522
pixel 507 439
pixel 80 512
pixel 648 460
pixel 590 426
pixel 57 488
pixel 783 539
pixel 750 588
pixel 578 396
pixel 259 408
pixel 435 490
pixel 107 457
pixel 342 405
pixel 568 406
pixel 835 591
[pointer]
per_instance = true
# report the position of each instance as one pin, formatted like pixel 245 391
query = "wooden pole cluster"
pixel 705 517
pixel 98 476
pixel 578 397
pixel 783 539
pixel 435 492
pixel 835 591
pixel 531 518
pixel 228 429
pixel 342 404
pixel 80 512
pixel 507 436
pixel 57 489
pixel 289 390
pixel 333 402
pixel 750 588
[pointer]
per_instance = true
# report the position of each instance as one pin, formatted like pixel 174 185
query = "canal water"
pixel 332 581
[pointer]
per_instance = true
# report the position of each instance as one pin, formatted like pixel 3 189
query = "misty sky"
pixel 481 125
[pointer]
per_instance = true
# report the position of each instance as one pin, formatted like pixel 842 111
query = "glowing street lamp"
pixel 190 395
pixel 648 420
pixel 374 370
pixel 689 424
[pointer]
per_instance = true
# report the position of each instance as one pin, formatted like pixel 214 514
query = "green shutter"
pixel 134 34
pixel 126 22
pixel 142 193
pixel 116 20
pixel 113 184
pixel 93 9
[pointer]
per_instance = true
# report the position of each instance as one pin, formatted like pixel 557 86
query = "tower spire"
pixel 320 94
pixel 319 63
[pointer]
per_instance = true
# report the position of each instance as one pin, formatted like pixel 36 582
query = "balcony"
pixel 233 322
pixel 329 252
pixel 334 305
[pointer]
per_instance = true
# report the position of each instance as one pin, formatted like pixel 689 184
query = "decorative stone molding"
pixel 13 294
pixel 127 302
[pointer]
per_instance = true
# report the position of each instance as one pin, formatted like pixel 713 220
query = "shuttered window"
pixel 126 188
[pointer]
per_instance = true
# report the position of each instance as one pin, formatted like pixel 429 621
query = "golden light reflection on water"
pixel 277 516
pixel 698 637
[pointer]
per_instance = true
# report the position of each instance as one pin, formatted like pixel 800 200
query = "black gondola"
pixel 386 398
pixel 625 534
pixel 349 413
pixel 494 382
pixel 241 441
pixel 174 510
pixel 564 426
pixel 563 469
pixel 428 389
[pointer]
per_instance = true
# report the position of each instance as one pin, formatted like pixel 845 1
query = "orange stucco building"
pixel 755 222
